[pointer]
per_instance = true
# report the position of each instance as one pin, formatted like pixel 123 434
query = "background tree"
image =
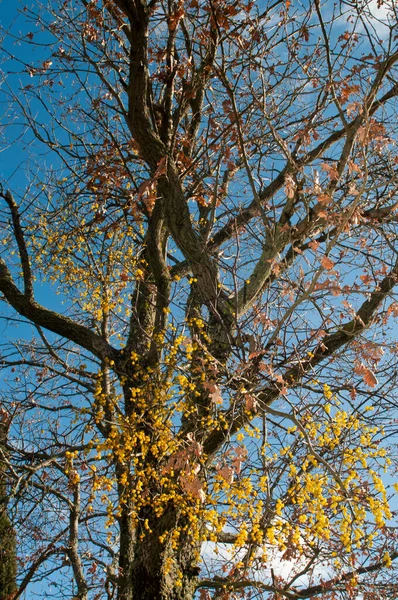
pixel 8 563
pixel 211 192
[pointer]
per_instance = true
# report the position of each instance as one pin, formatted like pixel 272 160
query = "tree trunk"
pixel 162 571
pixel 126 554
pixel 158 570
pixel 8 562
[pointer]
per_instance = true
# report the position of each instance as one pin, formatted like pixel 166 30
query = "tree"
pixel 8 563
pixel 212 194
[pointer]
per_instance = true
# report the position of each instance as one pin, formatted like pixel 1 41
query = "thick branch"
pixel 364 317
pixel 251 211
pixel 19 236
pixel 310 592
pixel 315 590
pixel 224 582
pixel 155 154
pixel 53 321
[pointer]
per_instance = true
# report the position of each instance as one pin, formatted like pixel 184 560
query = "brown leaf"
pixel 393 309
pixel 215 397
pixel 366 279
pixel 193 486
pixel 314 245
pixel 368 376
pixel 290 186
pixel 250 403
pixel 331 170
pixel 226 473
pixel 323 198
pixel 327 263
pixel 255 354
pixel 240 457
pixel 194 447
pixel 161 168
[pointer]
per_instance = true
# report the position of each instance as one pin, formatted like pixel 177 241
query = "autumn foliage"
pixel 198 279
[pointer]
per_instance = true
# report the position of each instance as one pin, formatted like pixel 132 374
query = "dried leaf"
pixel 290 186
pixel 226 473
pixel 367 374
pixel 366 279
pixel 369 378
pixel 393 309
pixel 331 170
pixel 323 199
pixel 215 397
pixel 250 403
pixel 241 456
pixel 327 263
pixel 176 462
pixel 255 354
pixel 195 447
pixel 314 245
pixel 193 486
pixel 161 168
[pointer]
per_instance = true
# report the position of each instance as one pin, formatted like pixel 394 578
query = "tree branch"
pixel 236 418
pixel 20 238
pixel 53 321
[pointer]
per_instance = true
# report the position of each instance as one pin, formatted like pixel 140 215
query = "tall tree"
pixel 8 561
pixel 204 250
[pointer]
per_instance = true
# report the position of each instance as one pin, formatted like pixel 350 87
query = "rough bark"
pixel 8 558
pixel 158 570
